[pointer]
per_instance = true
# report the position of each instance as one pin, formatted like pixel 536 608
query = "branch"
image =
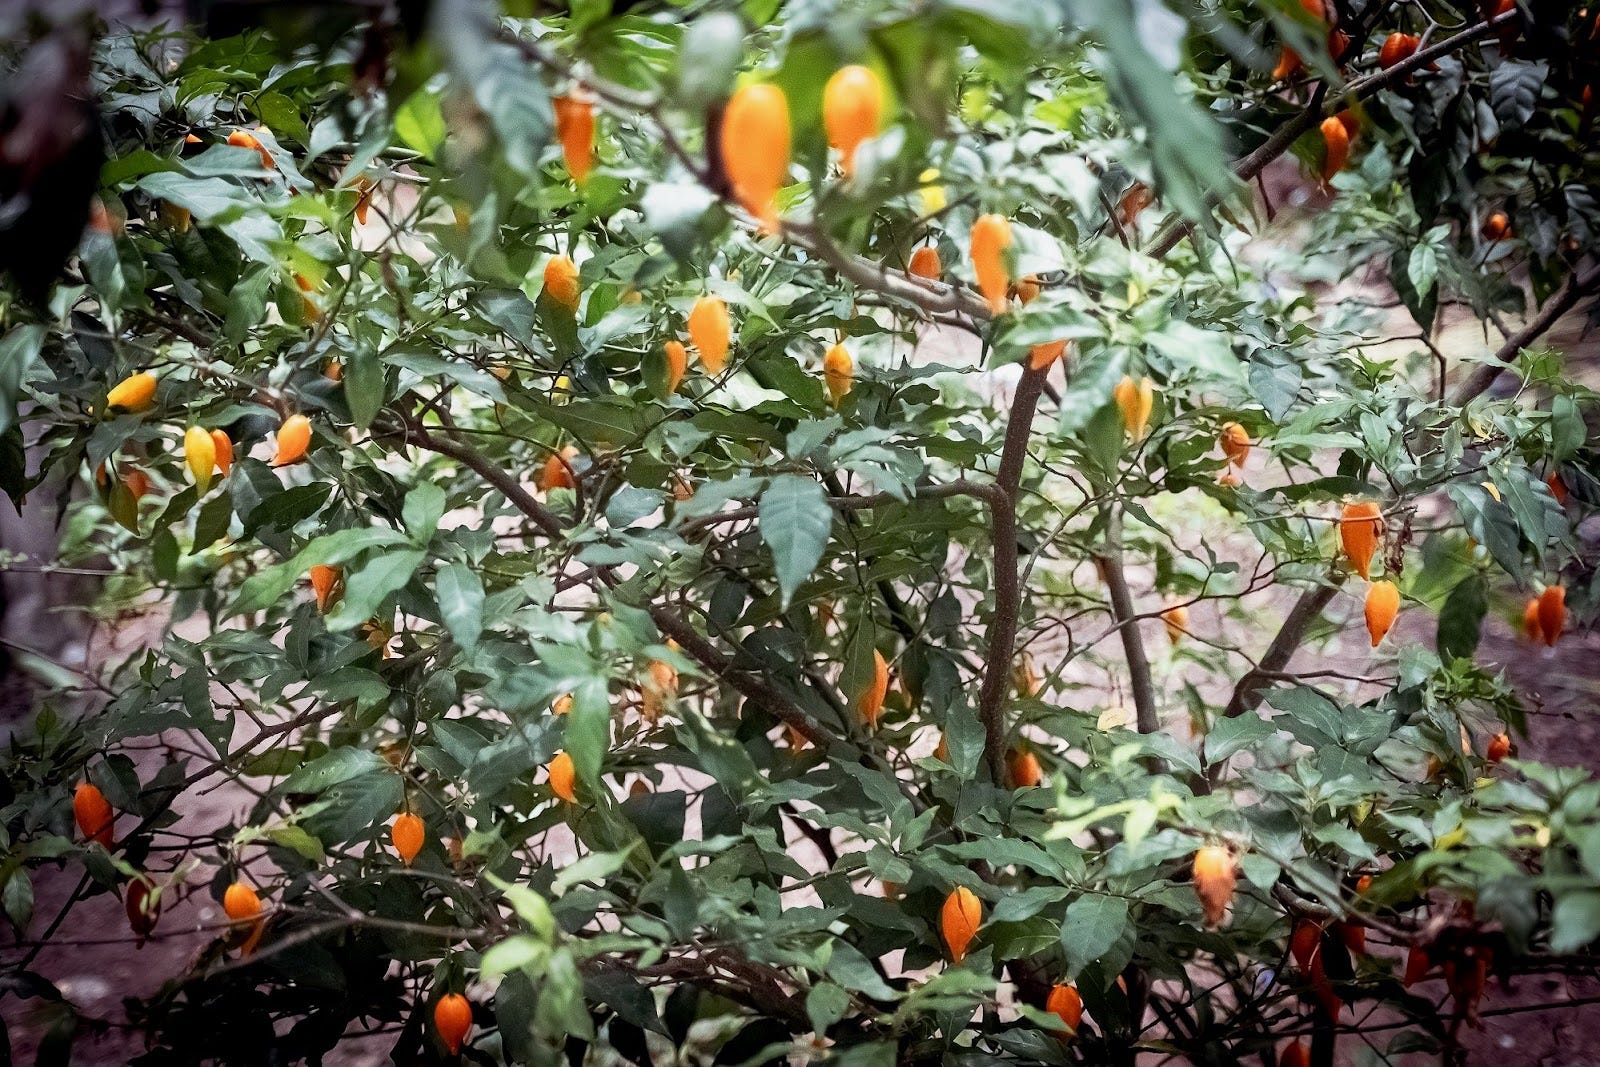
pixel 1144 700
pixel 1577 286
pixel 1361 89
pixel 1007 598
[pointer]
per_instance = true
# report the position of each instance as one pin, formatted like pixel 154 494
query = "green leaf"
pixel 1093 925
pixel 363 385
pixel 424 506
pixel 18 349
pixel 795 519
pixel 460 593
pixel 212 523
pixel 1461 618
pixel 1575 920
pixel 368 584
pixel 339 765
pixel 826 1004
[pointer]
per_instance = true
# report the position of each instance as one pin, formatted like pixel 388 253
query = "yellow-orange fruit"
pixel 93 813
pixel 1350 121
pixel 563 777
pixel 575 131
pixel 891 890
pixel 563 704
pixel 1027 288
pixel 324 582
pixel 959 920
pixel 659 687
pixel 1360 527
pixel 1135 400
pixel 1235 443
pixel 942 751
pixel 240 902
pixel 200 456
pixel 1499 747
pixel 1295 1054
pixel 755 149
pixel 710 331
pixel 1065 1004
pixel 1497 227
pixel 1383 603
pixel 333 370
pixel 1336 147
pixel 561 281
pixel 869 705
pixel 852 111
pixel 1397 48
pixel 294 437
pixel 407 834
pixel 1214 879
pixel 175 218
pixel 557 472
pixel 1552 614
pixel 452 1018
pixel 222 444
pixel 1040 357
pixel 1026 773
pixel 136 392
pixel 677 363
pixel 991 236
pixel 1530 620
pixel 1176 619
pixel 246 139
pixel 838 372
pixel 925 263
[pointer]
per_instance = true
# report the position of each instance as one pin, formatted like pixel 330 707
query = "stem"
pixel 1007 598
pixel 1144 701
pixel 1480 380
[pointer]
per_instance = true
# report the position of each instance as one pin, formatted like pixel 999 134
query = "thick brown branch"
pixel 1007 596
pixel 1577 286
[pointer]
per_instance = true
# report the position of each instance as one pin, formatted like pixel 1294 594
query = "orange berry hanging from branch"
pixel 838 373
pixel 852 111
pixel 564 777
pixel 711 332
pixel 925 263
pixel 1065 1004
pixel 991 236
pixel 1383 603
pixel 1360 528
pixel 869 705
pixel 1214 881
pixel 294 437
pixel 93 813
pixel 755 149
pixel 1552 614
pixel 959 920
pixel 452 1018
pixel 561 282
pixel 1336 147
pixel 1397 48
pixel 1136 400
pixel 575 131
pixel 408 834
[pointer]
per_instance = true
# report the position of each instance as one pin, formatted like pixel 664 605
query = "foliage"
pixel 526 509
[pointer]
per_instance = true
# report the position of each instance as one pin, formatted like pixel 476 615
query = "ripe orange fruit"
pixel 1552 614
pixel 959 920
pixel 452 1018
pixel 1214 881
pixel 1360 527
pixel 407 834
pixel 222 444
pixel 755 149
pixel 294 437
pixel 1177 622
pixel 677 364
pixel 561 282
pixel 142 908
pixel 1065 1003
pixel 1336 147
pixel 870 703
pixel 134 393
pixel 1136 401
pixel 1383 603
pixel 563 777
pixel 1026 773
pixel 575 131
pixel 1295 1054
pixel 1397 48
pixel 93 813
pixel 925 263
pixel 1497 227
pixel 324 582
pixel 852 111
pixel 557 472
pixel 991 236
pixel 838 372
pixel 710 331
pixel 246 139
pixel 1499 747
pixel 1235 443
